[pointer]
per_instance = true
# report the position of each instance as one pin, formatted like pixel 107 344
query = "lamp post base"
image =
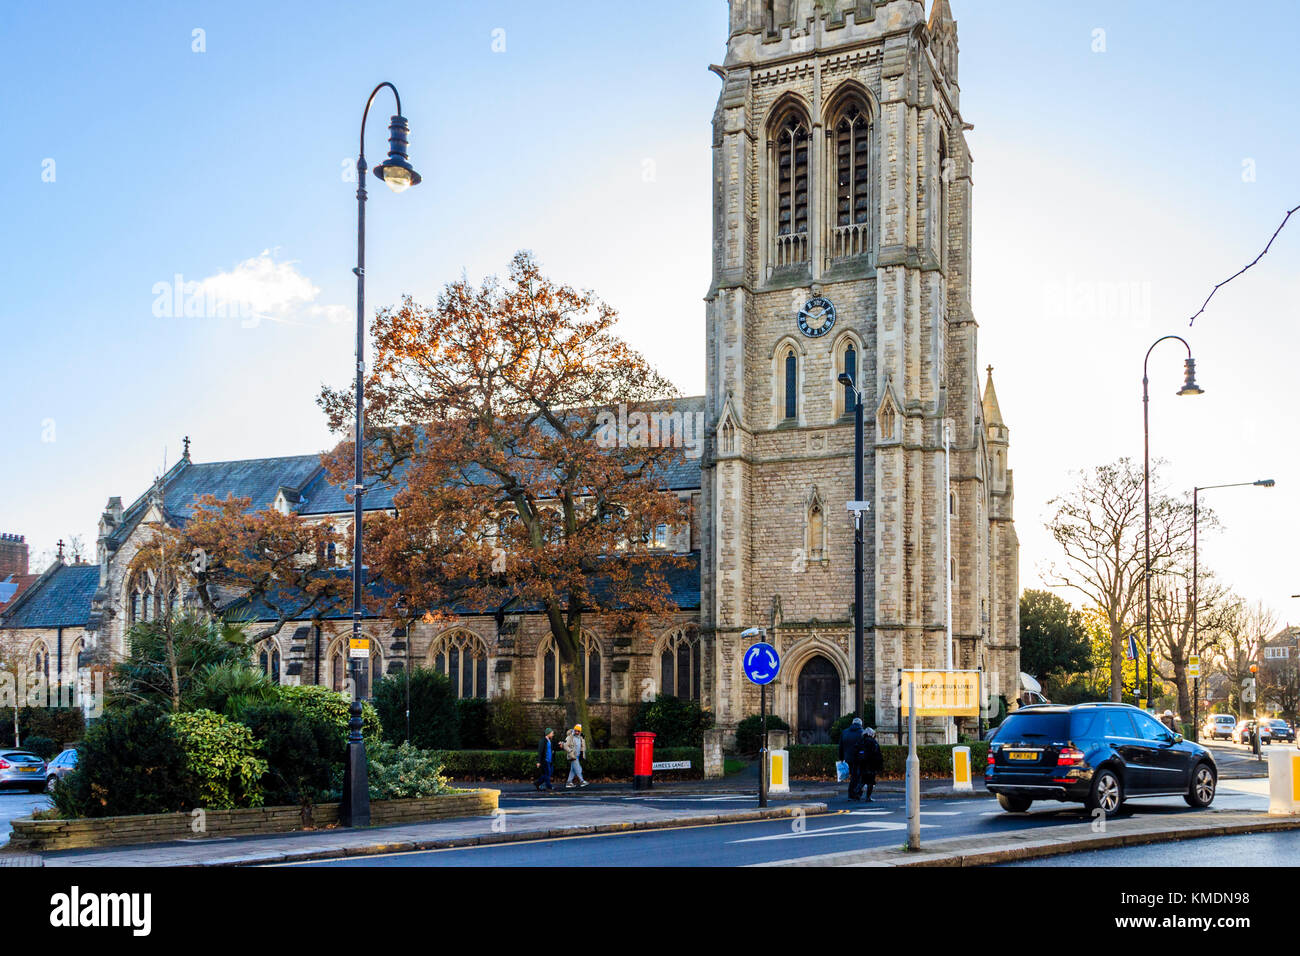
pixel 354 808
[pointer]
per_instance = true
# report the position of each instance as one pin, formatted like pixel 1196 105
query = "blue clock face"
pixel 817 317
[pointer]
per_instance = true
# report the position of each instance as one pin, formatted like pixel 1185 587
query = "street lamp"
pixel 1189 388
pixel 1196 646
pixel 397 172
pixel 857 506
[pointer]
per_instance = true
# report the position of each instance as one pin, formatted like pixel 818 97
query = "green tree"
pixel 1053 639
pixel 168 657
pixel 435 721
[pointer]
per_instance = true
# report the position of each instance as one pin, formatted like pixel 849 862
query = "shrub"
pixel 231 687
pixel 597 732
pixel 130 762
pixel 749 732
pixel 43 747
pixel 402 771
pixel 302 753
pixel 508 724
pixel 472 716
pixel 221 755
pixel 674 721
pixel 198 641
pixel 818 761
pixel 331 708
pixel 434 718
pixel 63 725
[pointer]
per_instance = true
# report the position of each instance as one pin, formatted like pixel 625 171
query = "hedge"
pixel 818 761
pixel 614 764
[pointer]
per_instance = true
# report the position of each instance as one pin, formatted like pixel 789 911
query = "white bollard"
pixel 778 771
pixel 961 768
pixel 1284 781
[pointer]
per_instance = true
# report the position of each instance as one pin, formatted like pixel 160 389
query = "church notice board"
pixel 941 693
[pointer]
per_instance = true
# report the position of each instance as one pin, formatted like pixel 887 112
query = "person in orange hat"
pixel 575 746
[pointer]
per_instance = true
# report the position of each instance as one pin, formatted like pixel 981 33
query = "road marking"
pixel 866 826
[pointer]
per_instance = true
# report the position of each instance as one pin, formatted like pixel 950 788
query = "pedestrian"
pixel 575 745
pixel 545 760
pixel 854 754
pixel 874 761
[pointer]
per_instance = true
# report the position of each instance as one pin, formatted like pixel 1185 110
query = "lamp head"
pixel 846 379
pixel 1189 379
pixel 1266 483
pixel 396 170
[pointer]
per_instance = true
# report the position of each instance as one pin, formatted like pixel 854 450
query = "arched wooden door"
pixel 819 700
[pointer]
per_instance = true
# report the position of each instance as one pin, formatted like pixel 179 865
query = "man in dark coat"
pixel 853 753
pixel 545 760
pixel 873 761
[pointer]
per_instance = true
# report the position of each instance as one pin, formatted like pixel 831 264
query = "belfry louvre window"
pixel 792 184
pixel 852 184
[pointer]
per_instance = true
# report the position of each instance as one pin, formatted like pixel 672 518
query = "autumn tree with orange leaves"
pixel 486 408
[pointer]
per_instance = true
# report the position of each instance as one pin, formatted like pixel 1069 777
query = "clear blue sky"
pixel 587 140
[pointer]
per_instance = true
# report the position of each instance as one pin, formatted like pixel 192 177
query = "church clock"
pixel 817 317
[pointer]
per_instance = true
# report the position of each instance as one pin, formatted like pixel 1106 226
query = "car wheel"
pixel 51 783
pixel 1107 793
pixel 1014 804
pixel 1204 783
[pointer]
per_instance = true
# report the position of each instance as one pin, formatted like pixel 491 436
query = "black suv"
pixel 1094 754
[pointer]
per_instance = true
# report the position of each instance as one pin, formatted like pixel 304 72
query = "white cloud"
pixel 264 288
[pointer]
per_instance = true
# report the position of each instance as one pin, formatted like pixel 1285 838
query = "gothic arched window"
pixel 679 666
pixel 589 655
pixel 268 660
pixel 852 137
pixel 462 657
pixel 849 365
pixel 791 385
pixel 791 190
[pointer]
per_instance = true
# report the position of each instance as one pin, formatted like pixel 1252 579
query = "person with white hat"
pixel 575 746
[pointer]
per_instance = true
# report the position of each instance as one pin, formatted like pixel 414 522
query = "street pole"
pixel 913 774
pixel 859 674
pixel 1189 388
pixel 396 171
pixel 950 726
pixel 762 762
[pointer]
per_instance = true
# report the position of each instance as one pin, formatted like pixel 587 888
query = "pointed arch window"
pixel 887 420
pixel 849 365
pixel 852 139
pixel 590 659
pixel 680 665
pixel 791 385
pixel 462 657
pixel 268 660
pixel 791 183
pixel 816 531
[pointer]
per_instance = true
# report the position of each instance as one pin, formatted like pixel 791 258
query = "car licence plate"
pixel 29 769
pixel 1022 755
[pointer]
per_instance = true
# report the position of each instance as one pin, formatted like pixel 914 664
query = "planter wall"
pixel 50 835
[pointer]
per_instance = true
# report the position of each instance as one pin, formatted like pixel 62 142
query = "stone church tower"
pixel 841 243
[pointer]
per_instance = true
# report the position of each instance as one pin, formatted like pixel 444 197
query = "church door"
pixel 819 700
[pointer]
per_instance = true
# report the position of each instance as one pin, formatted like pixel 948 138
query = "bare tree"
pixel 1099 526
pixel 1171 628
pixel 1241 637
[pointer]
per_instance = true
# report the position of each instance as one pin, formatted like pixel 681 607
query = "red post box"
pixel 643 761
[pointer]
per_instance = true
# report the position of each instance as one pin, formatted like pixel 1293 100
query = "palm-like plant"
pixel 231 687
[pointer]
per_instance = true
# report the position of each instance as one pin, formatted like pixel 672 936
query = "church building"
pixel 841 248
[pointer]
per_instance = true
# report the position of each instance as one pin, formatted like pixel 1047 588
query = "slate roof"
pixel 304 478
pixel 683 583
pixel 60 599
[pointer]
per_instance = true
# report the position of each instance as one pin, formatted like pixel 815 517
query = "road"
pixel 1254 849
pixel 18 803
pixel 847 826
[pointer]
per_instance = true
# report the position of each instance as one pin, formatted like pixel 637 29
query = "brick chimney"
pixel 13 555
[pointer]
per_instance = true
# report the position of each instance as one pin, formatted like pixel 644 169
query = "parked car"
pixel 1281 730
pixel 1241 734
pixel 1095 754
pixel 21 768
pixel 58 768
pixel 1219 725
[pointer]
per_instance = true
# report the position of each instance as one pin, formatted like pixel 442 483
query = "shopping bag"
pixel 841 771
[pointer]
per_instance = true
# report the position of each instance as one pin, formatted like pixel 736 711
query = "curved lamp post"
pixel 1189 388
pixel 398 173
pixel 1196 646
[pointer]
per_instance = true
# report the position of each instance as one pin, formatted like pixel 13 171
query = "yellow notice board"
pixel 942 693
